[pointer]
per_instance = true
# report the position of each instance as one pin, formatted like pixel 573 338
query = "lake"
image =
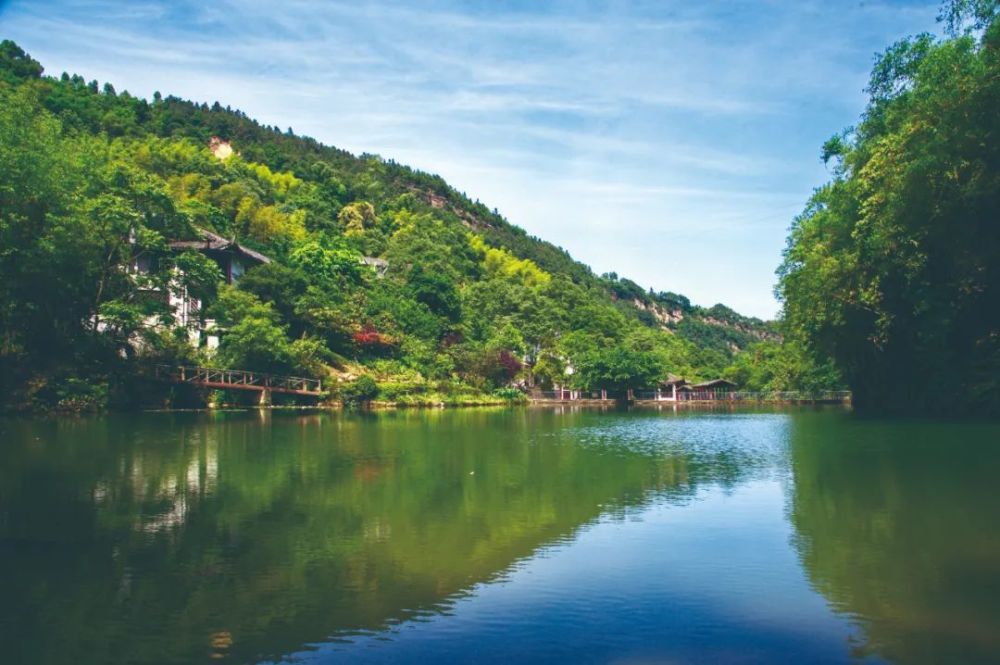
pixel 499 536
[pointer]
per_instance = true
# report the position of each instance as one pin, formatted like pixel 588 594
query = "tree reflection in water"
pixel 897 527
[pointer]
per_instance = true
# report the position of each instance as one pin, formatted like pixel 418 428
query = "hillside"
pixel 96 182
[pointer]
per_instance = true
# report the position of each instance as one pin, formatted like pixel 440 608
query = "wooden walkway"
pixel 238 379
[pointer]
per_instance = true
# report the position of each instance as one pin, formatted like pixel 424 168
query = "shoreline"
pixel 597 404
pixel 394 406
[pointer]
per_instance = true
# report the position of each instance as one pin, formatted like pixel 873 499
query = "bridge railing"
pixel 238 379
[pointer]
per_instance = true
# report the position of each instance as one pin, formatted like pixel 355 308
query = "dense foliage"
pixel 94 181
pixel 893 270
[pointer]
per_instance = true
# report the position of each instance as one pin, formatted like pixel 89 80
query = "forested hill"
pixel 93 179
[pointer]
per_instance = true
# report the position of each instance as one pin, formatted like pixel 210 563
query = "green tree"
pixel 893 269
pixel 329 267
pixel 356 217
pixel 198 275
pixel 618 369
pixel 788 366
pixel 436 291
pixel 16 64
pixel 253 336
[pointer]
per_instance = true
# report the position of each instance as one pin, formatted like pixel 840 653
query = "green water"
pixel 499 536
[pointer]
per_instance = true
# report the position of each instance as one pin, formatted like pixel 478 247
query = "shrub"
pixel 79 396
pixel 509 394
pixel 393 391
pixel 361 390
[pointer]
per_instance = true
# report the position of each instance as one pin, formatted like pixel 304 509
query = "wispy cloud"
pixel 648 138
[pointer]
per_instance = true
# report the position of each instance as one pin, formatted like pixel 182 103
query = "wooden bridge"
pixel 238 379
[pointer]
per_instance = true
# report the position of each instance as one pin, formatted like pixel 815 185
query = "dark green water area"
pixel 499 536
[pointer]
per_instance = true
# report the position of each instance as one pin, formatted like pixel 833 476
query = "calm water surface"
pixel 499 536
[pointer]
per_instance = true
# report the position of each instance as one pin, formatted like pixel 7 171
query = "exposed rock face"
pixel 756 333
pixel 221 149
pixel 666 317
pixel 439 202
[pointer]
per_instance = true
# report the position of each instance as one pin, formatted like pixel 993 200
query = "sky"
pixel 672 142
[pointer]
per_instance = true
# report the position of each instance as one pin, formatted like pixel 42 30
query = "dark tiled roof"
pixel 714 383
pixel 673 380
pixel 246 251
pixel 214 242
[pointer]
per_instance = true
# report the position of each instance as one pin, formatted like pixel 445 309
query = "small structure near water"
pixel 667 390
pixel 677 389
pixel 672 389
pixel 707 390
pixel 233 261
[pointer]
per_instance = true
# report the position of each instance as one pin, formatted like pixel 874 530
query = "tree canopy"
pixel 893 269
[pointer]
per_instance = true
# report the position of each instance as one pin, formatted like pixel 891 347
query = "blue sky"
pixel 671 142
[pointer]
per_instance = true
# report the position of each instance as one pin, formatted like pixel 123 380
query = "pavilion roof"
pixel 213 242
pixel 673 380
pixel 714 383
